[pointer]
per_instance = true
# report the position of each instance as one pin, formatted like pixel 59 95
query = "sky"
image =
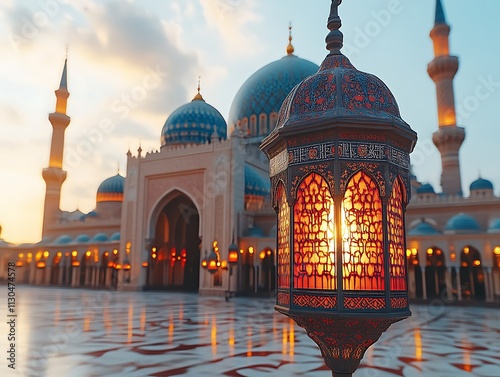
pixel 132 62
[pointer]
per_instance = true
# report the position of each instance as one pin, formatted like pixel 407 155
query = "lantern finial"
pixel 334 39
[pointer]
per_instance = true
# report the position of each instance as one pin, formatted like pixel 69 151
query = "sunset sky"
pixel 114 46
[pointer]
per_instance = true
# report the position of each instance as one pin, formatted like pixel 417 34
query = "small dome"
pixel 462 223
pixel 115 237
pixel 111 190
pixel 481 184
pixel 99 237
pixel 63 240
pixel 265 90
pixel 193 123
pixel 494 226
pixel 423 228
pixel 339 91
pixel 255 232
pixel 426 189
pixel 255 184
pixel 82 238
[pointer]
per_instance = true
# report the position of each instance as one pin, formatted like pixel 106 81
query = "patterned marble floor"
pixel 78 333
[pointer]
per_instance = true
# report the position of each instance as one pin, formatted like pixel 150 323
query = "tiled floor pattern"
pixel 78 333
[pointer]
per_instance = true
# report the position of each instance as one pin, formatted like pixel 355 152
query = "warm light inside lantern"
pixel 362 235
pixel 497 250
pixel 233 257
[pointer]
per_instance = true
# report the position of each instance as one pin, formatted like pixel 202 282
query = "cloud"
pixel 232 19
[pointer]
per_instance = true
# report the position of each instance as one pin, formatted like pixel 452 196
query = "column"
pixel 449 284
pixel 424 285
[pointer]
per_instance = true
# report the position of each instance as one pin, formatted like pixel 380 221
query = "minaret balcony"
pixel 443 67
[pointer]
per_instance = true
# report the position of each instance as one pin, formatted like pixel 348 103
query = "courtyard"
pixel 91 333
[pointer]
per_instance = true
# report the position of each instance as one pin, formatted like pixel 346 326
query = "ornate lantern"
pixel 339 167
pixel 213 263
pixel 233 255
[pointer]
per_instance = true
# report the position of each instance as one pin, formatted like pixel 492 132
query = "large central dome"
pixel 256 105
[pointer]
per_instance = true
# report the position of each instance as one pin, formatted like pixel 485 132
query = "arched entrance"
pixel 175 260
pixel 268 271
pixel 435 273
pixel 414 273
pixel 472 277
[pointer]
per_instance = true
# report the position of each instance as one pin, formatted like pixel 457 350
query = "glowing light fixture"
pixel 339 168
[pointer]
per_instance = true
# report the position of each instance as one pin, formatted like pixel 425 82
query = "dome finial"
pixel 290 49
pixel 198 96
pixel 334 39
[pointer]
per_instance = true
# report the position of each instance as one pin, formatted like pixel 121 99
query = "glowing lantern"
pixel 213 262
pixel 339 167
pixel 233 254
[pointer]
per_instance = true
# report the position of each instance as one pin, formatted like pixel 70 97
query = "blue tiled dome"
pixel 255 184
pixel 423 228
pixel 481 184
pixel 112 185
pixel 254 232
pixel 99 237
pixel 340 92
pixel 193 123
pixel 111 189
pixel 82 238
pixel 265 90
pixel 426 189
pixel 462 223
pixel 115 237
pixel 495 226
pixel 63 240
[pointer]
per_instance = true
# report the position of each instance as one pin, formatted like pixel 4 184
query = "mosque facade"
pixel 207 187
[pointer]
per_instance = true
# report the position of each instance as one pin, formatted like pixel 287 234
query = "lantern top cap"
pixel 334 39
pixel 339 93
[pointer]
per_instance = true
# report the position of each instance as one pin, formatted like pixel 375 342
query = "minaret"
pixel 54 175
pixel 449 137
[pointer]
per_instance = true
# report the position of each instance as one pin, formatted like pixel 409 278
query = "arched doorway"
pixel 414 273
pixel 435 273
pixel 268 271
pixel 56 269
pixel 472 277
pixel 175 264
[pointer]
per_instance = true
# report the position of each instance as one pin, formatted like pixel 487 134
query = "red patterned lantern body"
pixel 339 167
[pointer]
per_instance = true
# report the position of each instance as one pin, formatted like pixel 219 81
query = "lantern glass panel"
pixel 314 235
pixel 283 239
pixel 363 241
pixel 396 238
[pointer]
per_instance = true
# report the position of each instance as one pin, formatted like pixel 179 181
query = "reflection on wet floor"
pixel 134 334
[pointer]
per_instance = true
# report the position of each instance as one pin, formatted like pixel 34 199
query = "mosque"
pixel 207 189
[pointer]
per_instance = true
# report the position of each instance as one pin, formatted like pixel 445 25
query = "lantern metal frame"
pixel 337 146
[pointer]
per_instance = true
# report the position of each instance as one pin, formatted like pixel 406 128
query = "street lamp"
pixel 339 167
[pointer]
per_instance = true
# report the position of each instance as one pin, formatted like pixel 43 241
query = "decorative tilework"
pixel 313 301
pixel 373 303
pixel 283 299
pixel 399 302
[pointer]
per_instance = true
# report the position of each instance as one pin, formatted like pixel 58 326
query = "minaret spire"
pixel 449 137
pixel 440 16
pixel 54 175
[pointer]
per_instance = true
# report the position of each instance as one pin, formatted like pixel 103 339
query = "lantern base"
pixel 343 339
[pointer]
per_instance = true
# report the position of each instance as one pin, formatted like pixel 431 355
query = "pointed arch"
pixel 314 235
pixel 395 237
pixel 283 237
pixel 362 235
